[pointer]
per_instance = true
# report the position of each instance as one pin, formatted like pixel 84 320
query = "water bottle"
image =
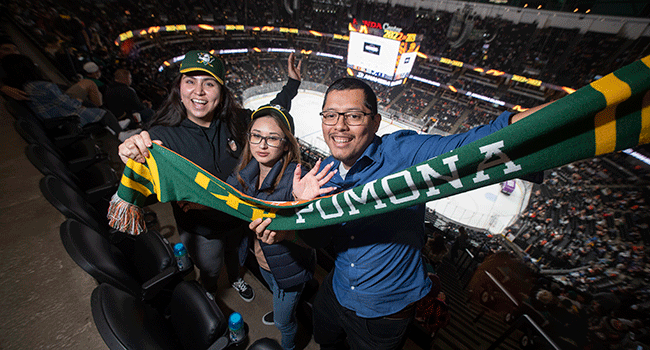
pixel 237 332
pixel 182 259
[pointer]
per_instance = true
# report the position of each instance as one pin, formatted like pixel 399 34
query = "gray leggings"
pixel 209 253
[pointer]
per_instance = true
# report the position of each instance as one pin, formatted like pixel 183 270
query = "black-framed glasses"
pixel 271 141
pixel 352 118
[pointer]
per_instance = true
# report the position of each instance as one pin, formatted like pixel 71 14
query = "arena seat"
pixel 97 180
pixel 73 205
pixel 78 154
pixel 194 320
pixel 148 271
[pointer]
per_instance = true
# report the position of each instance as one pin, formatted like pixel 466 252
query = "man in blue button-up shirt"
pixel 378 276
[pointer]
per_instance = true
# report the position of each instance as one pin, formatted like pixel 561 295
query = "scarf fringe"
pixel 126 217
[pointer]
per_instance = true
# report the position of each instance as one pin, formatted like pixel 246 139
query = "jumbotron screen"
pixel 381 53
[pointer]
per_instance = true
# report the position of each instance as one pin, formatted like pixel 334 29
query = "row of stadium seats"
pixel 142 300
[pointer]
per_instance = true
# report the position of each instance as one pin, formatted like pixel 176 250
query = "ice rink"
pixel 304 109
pixel 483 209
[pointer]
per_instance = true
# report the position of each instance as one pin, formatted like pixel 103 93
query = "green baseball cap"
pixel 203 61
pixel 278 111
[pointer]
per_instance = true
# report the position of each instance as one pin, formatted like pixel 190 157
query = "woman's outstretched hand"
pixel 292 68
pixel 309 186
pixel 135 147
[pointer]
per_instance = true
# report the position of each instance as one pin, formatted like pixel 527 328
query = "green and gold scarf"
pixel 608 115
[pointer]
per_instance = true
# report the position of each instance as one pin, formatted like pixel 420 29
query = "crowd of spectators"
pixel 495 43
pixel 584 211
pixel 73 35
pixel 446 114
pixel 520 100
pixel 587 230
pixel 589 216
pixel 584 238
pixel 412 102
pixel 475 117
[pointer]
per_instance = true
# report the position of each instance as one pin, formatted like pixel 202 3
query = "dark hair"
pixel 343 84
pixel 291 155
pixel 172 112
pixel 20 70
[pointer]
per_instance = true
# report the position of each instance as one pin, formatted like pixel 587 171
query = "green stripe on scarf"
pixel 608 115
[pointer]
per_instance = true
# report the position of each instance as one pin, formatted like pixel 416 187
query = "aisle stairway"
pixel 467 330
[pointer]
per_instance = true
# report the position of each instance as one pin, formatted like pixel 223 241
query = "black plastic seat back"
pixel 152 254
pixel 96 181
pixel 143 265
pixel 197 320
pixel 72 204
pixel 124 322
pixel 96 255
pixel 33 133
pixel 50 164
pixel 83 149
pixel 19 109
pixel 127 323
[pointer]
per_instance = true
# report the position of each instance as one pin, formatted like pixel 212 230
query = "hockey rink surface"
pixel 485 208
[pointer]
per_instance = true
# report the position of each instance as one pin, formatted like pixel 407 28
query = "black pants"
pixel 333 323
pixel 211 253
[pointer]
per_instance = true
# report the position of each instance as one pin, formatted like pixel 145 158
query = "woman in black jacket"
pixel 201 120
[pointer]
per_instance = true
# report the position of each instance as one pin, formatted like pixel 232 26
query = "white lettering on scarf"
pixel 427 173
pixel 409 182
pixel 491 150
pixel 367 188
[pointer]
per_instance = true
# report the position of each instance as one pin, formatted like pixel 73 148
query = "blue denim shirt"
pixel 378 266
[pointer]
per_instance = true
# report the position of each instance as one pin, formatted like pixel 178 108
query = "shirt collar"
pixel 251 173
pixel 369 156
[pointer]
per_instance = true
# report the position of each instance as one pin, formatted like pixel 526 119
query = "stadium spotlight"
pixel 576 10
pixel 525 5
pixel 589 10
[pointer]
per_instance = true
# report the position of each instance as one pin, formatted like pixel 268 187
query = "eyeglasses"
pixel 353 118
pixel 271 141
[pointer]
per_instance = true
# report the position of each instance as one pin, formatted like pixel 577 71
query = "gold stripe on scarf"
pixel 136 186
pixel 155 177
pixel 615 92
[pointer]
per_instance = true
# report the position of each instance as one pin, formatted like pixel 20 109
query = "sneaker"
pixel 245 291
pixel 124 123
pixel 122 136
pixel 267 319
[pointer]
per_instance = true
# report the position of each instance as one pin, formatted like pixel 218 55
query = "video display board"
pixel 381 53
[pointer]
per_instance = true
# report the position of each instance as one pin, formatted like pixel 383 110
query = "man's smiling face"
pixel 347 143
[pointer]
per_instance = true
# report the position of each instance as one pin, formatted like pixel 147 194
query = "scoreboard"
pixel 381 53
